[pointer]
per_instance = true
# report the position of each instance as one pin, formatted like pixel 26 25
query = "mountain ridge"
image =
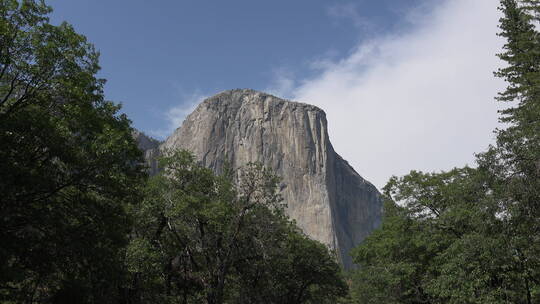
pixel 328 199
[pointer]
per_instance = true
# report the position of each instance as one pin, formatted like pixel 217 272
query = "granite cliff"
pixel 150 148
pixel 328 199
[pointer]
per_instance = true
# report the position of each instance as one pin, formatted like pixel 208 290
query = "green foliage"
pixel 470 235
pixel 513 165
pixel 443 240
pixel 202 238
pixel 71 226
pixel 69 165
pixel 407 258
pixel 294 269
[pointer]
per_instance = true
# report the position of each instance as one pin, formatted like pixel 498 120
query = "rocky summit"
pixel 330 202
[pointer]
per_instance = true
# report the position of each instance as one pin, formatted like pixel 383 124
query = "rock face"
pixel 150 148
pixel 330 202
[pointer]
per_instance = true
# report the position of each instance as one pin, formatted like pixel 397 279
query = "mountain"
pixel 150 148
pixel 328 199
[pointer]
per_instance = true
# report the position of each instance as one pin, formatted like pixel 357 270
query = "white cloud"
pixel 421 99
pixel 282 84
pixel 175 116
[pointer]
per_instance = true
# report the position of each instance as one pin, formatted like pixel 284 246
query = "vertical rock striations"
pixel 150 148
pixel 328 199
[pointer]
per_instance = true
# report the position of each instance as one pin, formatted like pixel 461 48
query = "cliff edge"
pixel 330 202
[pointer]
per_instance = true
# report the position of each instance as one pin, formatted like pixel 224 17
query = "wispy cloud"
pixel 282 84
pixel 175 115
pixel 349 12
pixel 421 99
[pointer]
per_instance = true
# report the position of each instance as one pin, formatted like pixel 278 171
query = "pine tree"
pixel 513 165
pixel 470 235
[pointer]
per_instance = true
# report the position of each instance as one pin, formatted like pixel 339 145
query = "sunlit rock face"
pixel 330 202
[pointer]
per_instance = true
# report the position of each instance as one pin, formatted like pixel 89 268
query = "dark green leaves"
pixel 69 165
pixel 202 238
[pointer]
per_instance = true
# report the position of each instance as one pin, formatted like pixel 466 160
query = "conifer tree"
pixel 470 235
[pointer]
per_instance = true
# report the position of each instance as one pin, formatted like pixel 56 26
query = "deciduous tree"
pixel 69 165
pixel 202 238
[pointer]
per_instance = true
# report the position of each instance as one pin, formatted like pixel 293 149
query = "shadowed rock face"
pixel 329 201
pixel 150 148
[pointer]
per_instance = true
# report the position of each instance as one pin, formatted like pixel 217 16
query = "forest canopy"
pixel 81 222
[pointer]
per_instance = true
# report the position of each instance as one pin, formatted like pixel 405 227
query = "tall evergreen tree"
pixel 470 235
pixel 513 165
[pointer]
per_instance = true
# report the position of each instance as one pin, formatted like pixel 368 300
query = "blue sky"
pixel 406 84
pixel 158 54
